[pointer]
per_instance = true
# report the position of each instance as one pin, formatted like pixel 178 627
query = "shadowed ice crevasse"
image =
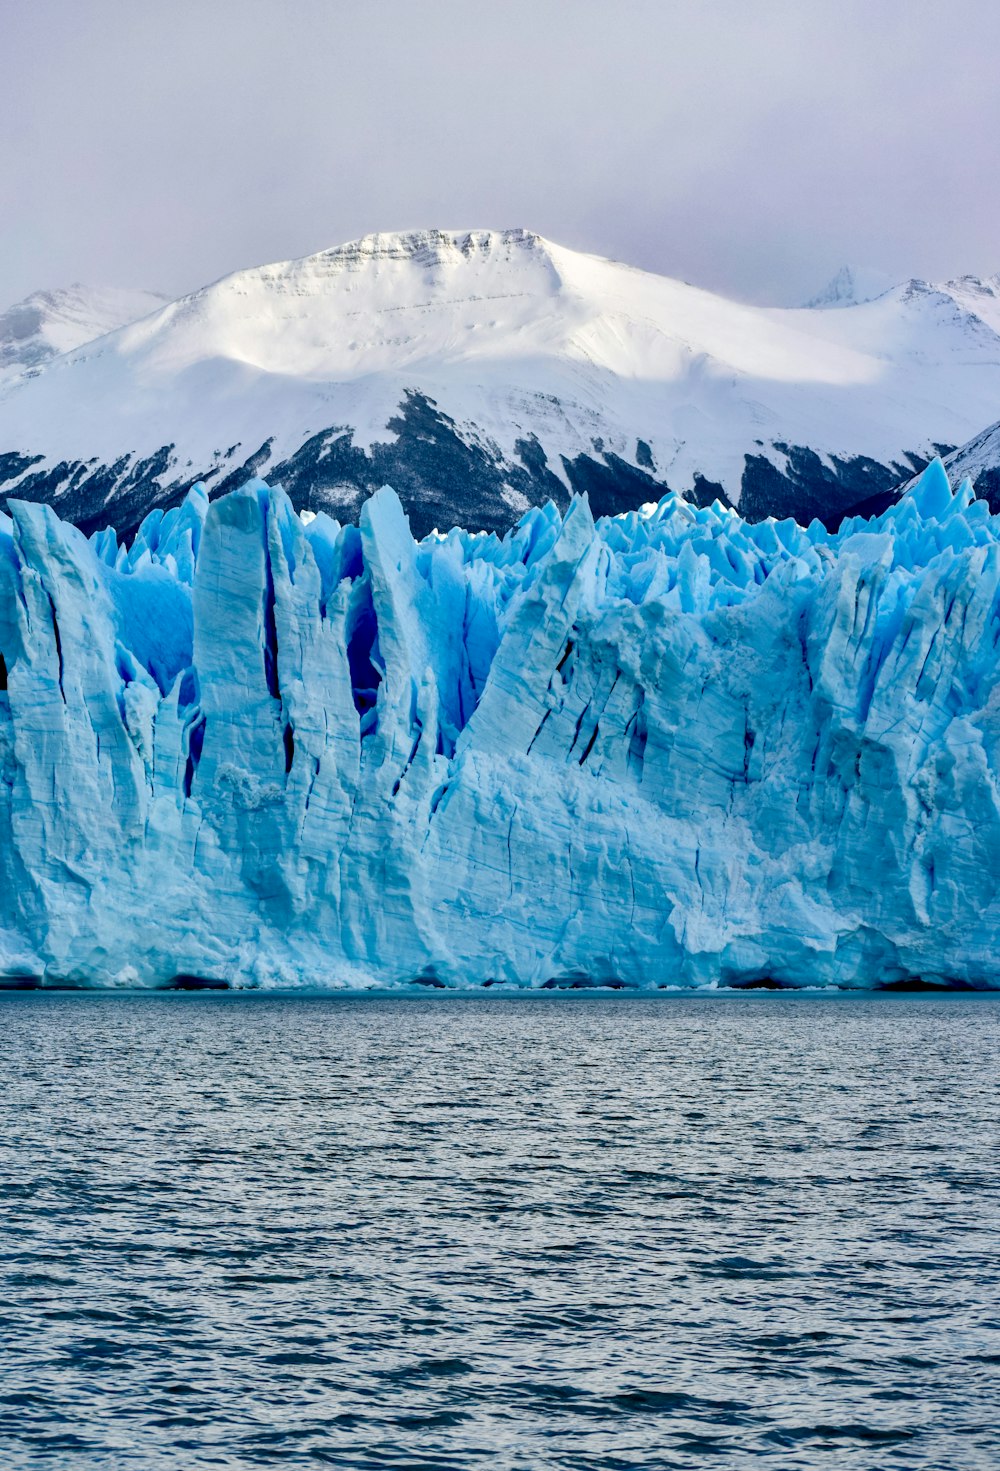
pixel 670 748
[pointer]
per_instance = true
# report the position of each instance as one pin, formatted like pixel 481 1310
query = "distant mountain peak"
pixel 851 286
pixel 48 323
pixel 988 286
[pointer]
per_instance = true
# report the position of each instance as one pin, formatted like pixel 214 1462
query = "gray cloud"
pixel 752 146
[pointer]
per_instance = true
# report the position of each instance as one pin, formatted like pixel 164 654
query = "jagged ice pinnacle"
pixel 670 748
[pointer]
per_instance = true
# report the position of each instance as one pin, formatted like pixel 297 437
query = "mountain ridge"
pixel 481 371
pixel 50 323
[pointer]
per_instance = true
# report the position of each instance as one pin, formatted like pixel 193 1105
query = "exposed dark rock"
pixel 706 492
pixel 612 484
pixel 446 474
pixel 251 466
pixel 987 487
pixel 12 465
pixel 811 489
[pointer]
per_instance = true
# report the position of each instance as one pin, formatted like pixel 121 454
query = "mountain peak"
pixel 438 245
pixel 424 256
pixel 851 286
pixel 480 371
pixel 49 323
pixel 432 248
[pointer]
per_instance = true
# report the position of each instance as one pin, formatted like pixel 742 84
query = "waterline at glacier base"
pixel 671 748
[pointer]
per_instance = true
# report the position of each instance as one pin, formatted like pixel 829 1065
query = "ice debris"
pixel 670 748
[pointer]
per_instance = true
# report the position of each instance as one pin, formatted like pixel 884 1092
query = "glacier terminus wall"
pixel 666 749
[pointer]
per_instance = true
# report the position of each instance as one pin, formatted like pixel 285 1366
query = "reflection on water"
pixel 565 1232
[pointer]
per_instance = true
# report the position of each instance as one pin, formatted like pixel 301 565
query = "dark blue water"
pixel 696 1231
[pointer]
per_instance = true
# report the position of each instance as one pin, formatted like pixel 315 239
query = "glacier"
pixel 670 748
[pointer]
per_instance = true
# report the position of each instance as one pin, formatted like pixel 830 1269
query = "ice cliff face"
pixel 669 748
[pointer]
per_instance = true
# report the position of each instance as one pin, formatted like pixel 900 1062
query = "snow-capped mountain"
pixel 48 323
pixel 979 460
pixel 482 371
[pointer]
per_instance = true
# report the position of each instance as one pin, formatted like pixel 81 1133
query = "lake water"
pixel 250 1231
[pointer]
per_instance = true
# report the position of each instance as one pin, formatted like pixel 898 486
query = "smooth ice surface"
pixel 669 748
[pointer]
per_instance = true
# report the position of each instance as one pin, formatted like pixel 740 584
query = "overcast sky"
pixel 752 147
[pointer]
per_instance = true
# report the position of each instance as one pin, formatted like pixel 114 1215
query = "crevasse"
pixel 667 749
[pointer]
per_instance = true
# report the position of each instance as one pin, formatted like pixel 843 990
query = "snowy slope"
pixel 671 748
pixel 482 371
pixel 49 323
pixel 979 460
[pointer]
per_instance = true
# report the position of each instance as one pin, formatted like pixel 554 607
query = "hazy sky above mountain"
pixel 752 148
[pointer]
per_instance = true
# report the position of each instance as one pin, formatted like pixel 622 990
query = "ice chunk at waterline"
pixel 671 748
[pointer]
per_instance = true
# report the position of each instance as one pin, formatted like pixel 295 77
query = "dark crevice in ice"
pixel 438 797
pixel 428 976
pixel 312 782
pixel 189 692
pixel 195 743
pixel 912 983
pixel 538 732
pixel 637 738
pixel 418 731
pixel 59 649
pixel 581 981
pixel 270 630
pixel 590 744
pixel 363 654
pixel 579 726
pixel 749 738
pixel 188 982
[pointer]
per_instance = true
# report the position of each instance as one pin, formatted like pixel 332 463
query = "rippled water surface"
pixel 432 1232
